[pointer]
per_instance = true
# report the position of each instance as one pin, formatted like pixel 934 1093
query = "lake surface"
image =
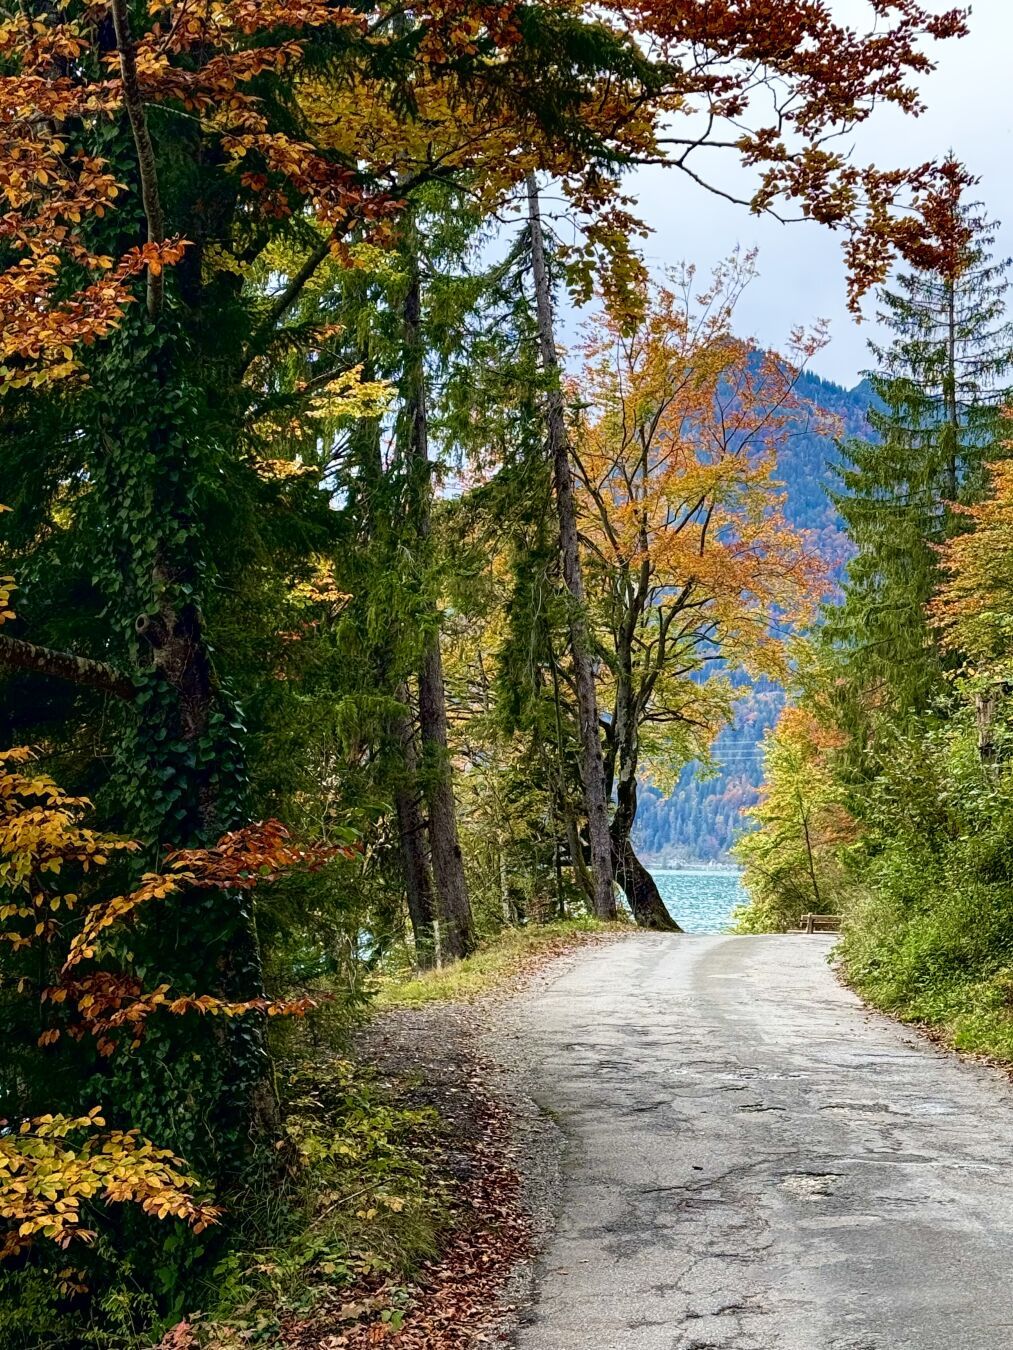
pixel 701 899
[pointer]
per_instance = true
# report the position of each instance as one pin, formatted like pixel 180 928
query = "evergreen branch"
pixel 286 299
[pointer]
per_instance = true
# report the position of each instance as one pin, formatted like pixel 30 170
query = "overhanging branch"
pixel 18 655
pixel 285 299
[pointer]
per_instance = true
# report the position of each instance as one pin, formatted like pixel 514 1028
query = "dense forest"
pixel 344 615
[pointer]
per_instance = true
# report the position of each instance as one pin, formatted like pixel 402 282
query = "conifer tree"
pixel 941 384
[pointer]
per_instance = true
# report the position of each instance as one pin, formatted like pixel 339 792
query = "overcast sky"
pixel 970 109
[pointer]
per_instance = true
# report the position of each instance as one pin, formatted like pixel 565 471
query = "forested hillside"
pixel 701 819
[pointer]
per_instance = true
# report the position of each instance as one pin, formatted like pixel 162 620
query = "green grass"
pixel 973 1015
pixel 494 964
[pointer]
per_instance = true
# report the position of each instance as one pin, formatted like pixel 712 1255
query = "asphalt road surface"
pixel 756 1162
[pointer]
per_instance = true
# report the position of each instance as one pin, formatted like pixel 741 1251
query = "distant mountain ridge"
pixel 701 819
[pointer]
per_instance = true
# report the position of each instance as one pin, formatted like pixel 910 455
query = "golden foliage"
pixel 689 555
pixel 51 1166
pixel 47 1169
pixel 973 606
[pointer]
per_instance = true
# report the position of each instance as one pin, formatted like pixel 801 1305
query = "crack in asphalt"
pixel 857 1199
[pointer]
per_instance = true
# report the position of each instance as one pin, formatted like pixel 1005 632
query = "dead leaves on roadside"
pixel 456 1301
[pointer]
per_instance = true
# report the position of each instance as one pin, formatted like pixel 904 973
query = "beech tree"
pixel 690 562
pixel 776 83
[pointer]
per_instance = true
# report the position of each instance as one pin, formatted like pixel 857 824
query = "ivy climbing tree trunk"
pixel 183 771
pixel 457 929
pixel 591 765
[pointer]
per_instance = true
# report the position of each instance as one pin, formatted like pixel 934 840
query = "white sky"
pixel 969 101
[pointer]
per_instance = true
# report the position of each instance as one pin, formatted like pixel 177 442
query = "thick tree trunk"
pixel 412 830
pixel 172 642
pixel 457 929
pixel 178 651
pixel 641 890
pixel 638 885
pixel 581 875
pixel 591 766
pixel 188 750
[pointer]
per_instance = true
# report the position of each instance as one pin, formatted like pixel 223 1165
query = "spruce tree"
pixel 940 385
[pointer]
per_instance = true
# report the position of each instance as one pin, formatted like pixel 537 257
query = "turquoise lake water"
pixel 701 899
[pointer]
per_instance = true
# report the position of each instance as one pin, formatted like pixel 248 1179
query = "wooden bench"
pixel 821 923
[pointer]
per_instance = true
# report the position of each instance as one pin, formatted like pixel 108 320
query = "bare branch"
pixel 18 655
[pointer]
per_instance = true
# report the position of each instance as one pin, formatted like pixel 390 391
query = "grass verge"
pixel 512 953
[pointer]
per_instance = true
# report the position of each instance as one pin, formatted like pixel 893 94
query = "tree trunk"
pixel 950 434
pixel 198 765
pixel 591 766
pixel 581 875
pixel 623 759
pixel 412 831
pixel 403 746
pixel 457 937
pixel 804 816
pixel 641 890
pixel 183 762
pixel 639 887
pixel 248 1110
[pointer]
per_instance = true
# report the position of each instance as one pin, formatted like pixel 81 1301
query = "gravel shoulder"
pixel 751 1160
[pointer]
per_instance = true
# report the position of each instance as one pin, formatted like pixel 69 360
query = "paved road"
pixel 757 1163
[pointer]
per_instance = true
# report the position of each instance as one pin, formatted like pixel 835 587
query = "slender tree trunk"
pixel 804 815
pixel 950 412
pixel 592 770
pixel 412 838
pixel 444 846
pixel 457 936
pixel 412 831
pixel 506 903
